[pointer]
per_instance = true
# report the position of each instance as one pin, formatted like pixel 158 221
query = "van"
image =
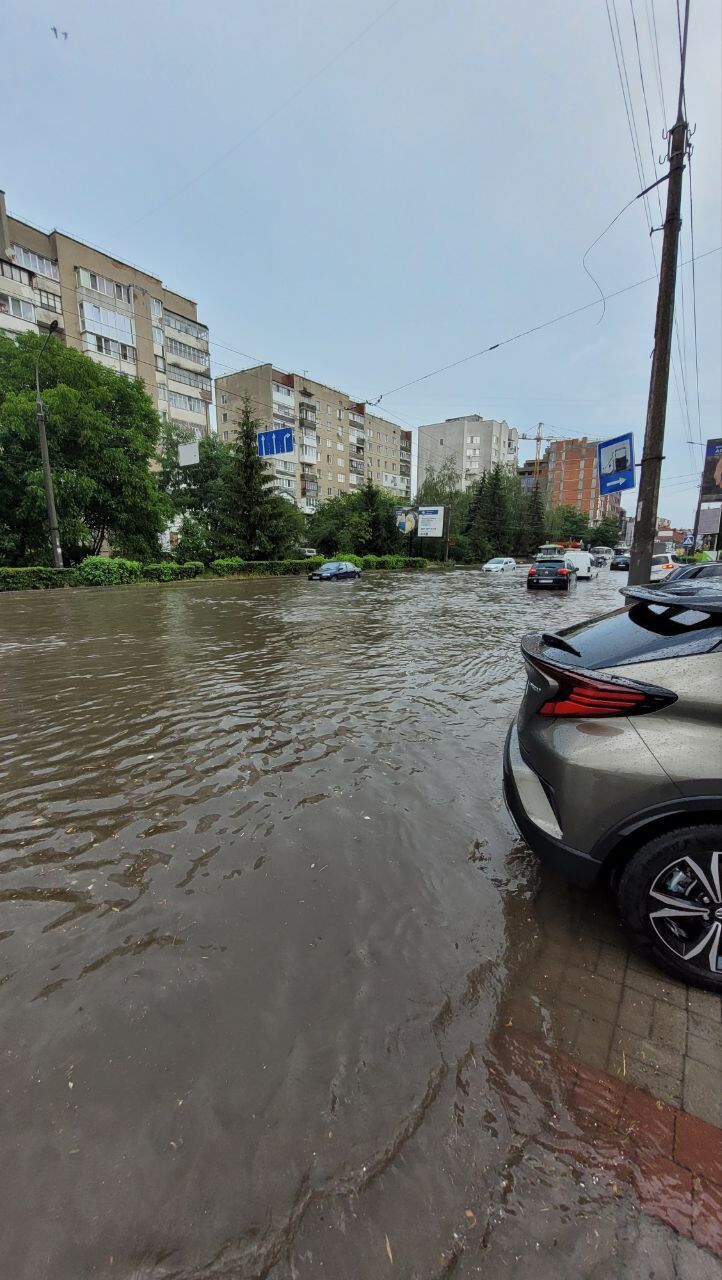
pixel 583 563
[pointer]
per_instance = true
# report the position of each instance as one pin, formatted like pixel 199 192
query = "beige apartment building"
pixel 117 314
pixel 337 443
pixel 474 444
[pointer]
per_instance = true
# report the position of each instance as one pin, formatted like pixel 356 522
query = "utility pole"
pixel 45 459
pixel 645 525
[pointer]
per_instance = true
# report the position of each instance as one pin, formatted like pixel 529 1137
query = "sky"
pixel 368 191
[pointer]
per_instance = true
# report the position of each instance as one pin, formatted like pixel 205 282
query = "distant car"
pixel 707 569
pixel 500 564
pixel 306 553
pixel 619 561
pixel 335 569
pixel 556 575
pixel 612 767
pixel 661 566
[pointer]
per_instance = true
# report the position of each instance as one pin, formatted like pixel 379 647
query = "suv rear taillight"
pixel 581 694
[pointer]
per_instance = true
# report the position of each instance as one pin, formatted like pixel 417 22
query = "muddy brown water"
pixel 260 899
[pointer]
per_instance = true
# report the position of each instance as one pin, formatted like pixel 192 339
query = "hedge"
pixel 35 579
pixel 169 571
pixel 100 571
pixel 265 568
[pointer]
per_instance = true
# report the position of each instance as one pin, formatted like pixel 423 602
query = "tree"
pixel 362 523
pixel 536 519
pixel 193 542
pixel 254 522
pixel 608 532
pixel 496 516
pixel 102 436
pixel 564 523
pixel 199 491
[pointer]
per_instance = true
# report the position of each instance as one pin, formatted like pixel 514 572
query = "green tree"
pixel 102 436
pixel 607 533
pixel 497 512
pixel 193 542
pixel 255 523
pixel 361 523
pixel 563 523
pixel 199 491
pixel 536 517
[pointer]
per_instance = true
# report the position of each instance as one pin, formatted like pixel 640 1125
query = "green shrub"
pixel 37 578
pixel 226 567
pixel 164 571
pixel 99 571
pixel 369 562
pixel 191 569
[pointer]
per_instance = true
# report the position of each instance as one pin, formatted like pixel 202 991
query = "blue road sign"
pixel 615 464
pixel 272 442
pixel 688 541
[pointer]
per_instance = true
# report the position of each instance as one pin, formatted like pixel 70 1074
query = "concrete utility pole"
pixel 45 459
pixel 645 525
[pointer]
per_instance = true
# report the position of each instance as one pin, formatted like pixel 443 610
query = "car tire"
pixel 682 866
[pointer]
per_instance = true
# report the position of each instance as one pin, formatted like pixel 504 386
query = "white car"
pixel 499 564
pixel 661 566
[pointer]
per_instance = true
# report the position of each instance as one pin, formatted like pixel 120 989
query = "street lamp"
pixel 47 478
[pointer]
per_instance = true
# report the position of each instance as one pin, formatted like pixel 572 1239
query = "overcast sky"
pixel 369 202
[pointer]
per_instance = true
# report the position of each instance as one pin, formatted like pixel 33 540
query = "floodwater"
pixel 260 904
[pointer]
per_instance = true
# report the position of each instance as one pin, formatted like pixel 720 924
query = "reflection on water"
pixel 254 869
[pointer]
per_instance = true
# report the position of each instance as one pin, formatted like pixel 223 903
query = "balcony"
pixel 309 487
pixel 405 455
pixel 356 467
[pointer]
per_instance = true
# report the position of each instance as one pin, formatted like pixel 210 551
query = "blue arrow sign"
pixel 615 464
pixel 273 442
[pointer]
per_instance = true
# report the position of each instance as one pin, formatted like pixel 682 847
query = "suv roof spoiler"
pixel 699 593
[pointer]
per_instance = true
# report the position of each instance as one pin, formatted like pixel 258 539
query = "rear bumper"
pixel 528 805
pixel 553 586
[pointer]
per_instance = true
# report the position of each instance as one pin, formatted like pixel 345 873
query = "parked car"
pixel 500 564
pixel 557 575
pixel 613 769
pixel 707 569
pixel 619 561
pixel 661 566
pixel 334 569
pixel 586 565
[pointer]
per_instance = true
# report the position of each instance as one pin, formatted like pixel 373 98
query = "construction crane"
pixel 538 437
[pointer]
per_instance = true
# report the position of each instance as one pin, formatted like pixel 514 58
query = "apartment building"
pixel 117 314
pixel 531 474
pixel 573 481
pixel 474 443
pixel 337 443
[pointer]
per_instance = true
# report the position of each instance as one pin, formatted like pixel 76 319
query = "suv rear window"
pixel 643 633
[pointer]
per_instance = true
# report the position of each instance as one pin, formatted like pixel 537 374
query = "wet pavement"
pixel 283 994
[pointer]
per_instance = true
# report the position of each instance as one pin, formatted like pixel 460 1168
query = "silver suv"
pixel 613 766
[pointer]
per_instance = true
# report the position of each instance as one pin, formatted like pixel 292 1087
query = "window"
pixel 17 307
pixel 50 301
pixel 101 284
pixel 160 364
pixel 189 378
pixel 11 272
pixel 318 406
pixel 190 327
pixel 36 262
pixel 162 391
pixel 339 446
pixel 224 398
pixel 284 392
pixel 104 320
pixel 157 336
pixel 225 435
pixel 175 348
pixel 328 410
pixel 224 417
pixel 156 308
pixel 107 347
pixel 329 491
pixel 341 478
pixel 441 441
pixel 329 459
pixel 339 414
pixel 191 404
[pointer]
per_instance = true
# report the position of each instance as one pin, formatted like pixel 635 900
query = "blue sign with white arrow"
pixel 273 442
pixel 615 464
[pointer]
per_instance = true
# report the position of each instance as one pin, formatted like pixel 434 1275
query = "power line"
pixel 694 299
pixel 652 27
pixel 524 333
pixel 281 106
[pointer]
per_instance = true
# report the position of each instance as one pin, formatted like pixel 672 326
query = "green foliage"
pixel 563 523
pixel 255 522
pixel 35 579
pixel 227 566
pixel 536 517
pixel 361 523
pixel 101 571
pixel 169 571
pixel 102 434
pixel 607 532
pixel 193 542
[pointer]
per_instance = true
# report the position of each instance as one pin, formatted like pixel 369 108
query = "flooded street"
pixel 270 946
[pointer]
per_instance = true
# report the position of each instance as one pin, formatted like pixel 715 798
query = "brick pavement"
pixel 632 1058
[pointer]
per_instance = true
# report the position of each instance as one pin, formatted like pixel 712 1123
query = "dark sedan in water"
pixel 552 575
pixel 619 562
pixel 335 569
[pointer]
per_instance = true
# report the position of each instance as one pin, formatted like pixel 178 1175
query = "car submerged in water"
pixel 335 570
pixel 552 574
pixel 613 767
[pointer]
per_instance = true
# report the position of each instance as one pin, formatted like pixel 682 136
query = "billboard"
pixel 188 454
pixel 615 464
pixel 406 519
pixel 431 522
pixel 712 473
pixel 273 442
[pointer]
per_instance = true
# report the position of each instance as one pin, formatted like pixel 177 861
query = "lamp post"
pixel 47 477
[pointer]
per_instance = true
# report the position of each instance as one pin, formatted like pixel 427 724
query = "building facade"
pixel 573 480
pixel 475 444
pixel 118 315
pixel 530 474
pixel 337 443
